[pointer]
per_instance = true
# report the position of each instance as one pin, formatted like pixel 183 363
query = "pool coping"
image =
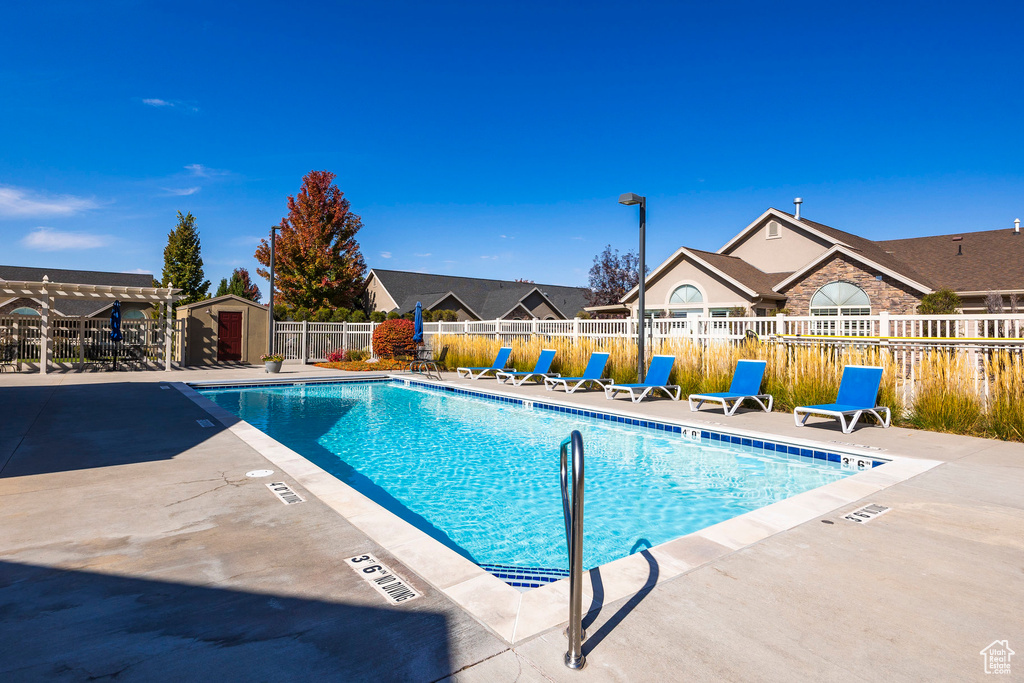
pixel 514 615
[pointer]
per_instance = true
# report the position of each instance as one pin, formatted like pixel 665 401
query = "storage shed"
pixel 225 329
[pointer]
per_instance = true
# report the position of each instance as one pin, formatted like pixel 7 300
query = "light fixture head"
pixel 630 198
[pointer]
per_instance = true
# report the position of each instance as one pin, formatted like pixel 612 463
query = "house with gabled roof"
pixel 785 261
pixel 85 307
pixel 471 298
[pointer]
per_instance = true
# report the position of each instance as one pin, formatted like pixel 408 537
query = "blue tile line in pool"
pixel 772 446
pixel 524 577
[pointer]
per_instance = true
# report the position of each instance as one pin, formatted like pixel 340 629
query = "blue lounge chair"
pixel 540 370
pixel 591 374
pixel 858 391
pixel 657 380
pixel 499 364
pixel 746 383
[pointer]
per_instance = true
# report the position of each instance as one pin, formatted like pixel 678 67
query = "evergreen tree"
pixel 318 263
pixel 183 264
pixel 241 285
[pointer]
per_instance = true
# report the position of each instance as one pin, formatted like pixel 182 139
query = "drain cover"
pixel 259 473
pixel 204 423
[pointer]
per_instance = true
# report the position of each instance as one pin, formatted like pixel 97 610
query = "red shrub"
pixel 392 337
pixel 336 356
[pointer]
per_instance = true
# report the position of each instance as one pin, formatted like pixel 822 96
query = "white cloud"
pixel 449 261
pixel 385 254
pixel 581 239
pixel 17 202
pixel 247 240
pixel 492 258
pixel 48 239
pixel 422 255
pixel 181 191
pixel 506 237
pixel 205 171
pixel 172 104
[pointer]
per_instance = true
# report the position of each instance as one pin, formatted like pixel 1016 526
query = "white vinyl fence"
pixel 312 342
pixel 80 343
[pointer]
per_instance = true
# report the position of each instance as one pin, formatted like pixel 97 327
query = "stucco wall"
pixel 539 308
pixel 450 303
pixel 376 298
pixel 201 332
pixel 716 292
pixel 886 294
pixel 792 250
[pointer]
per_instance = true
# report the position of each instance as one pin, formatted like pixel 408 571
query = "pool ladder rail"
pixel 572 510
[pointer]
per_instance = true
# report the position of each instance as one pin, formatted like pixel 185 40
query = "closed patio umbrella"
pixel 115 327
pixel 417 335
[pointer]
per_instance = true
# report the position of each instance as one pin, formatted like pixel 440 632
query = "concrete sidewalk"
pixel 134 547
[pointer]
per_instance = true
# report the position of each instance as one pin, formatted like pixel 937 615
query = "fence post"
pixel 575 331
pixel 169 332
pixel 344 336
pixel 883 324
pixel 81 344
pixel 780 325
pixel 305 341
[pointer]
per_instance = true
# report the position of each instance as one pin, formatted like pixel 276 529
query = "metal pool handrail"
pixel 573 512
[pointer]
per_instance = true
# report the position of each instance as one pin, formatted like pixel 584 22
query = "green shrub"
pixel 378 316
pixel 393 337
pixel 300 314
pixel 393 315
pixel 282 312
pixel 322 315
pixel 355 355
pixel 942 302
pixel 357 317
pixel 340 315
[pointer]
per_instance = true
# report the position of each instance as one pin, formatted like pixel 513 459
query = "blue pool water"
pixel 483 477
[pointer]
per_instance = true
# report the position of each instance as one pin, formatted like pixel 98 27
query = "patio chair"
pixel 539 372
pixel 858 391
pixel 9 357
pixel 591 375
pixel 657 380
pixel 746 383
pixel 477 372
pixel 430 366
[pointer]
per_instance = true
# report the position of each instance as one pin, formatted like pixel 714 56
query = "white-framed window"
pixel 686 294
pixel 774 231
pixel 133 314
pixel 841 299
pixel 25 310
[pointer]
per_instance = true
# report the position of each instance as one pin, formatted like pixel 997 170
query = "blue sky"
pixel 492 140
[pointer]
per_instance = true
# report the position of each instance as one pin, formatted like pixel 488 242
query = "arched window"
pixel 686 294
pixel 25 310
pixel 133 314
pixel 837 298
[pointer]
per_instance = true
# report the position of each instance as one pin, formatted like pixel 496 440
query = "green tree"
pixel 241 285
pixel 942 302
pixel 318 262
pixel 183 264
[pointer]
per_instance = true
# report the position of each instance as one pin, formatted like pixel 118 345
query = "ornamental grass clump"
pixel 945 398
pixel 1006 395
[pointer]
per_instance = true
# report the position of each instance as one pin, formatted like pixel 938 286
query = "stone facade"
pixel 886 294
pixel 20 303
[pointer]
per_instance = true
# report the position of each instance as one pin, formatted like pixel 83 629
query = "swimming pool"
pixel 481 474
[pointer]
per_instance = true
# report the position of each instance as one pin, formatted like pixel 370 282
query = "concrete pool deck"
pixel 134 545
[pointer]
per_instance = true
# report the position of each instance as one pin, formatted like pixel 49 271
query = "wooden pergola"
pixel 46 292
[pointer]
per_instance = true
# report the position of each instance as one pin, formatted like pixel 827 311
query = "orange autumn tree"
pixel 317 262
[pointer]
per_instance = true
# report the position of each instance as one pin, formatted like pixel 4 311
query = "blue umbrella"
pixel 115 322
pixel 417 335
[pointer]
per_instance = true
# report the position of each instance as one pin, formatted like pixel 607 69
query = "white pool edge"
pixel 516 616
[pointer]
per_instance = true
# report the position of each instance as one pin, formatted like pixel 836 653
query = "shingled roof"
pixel 79 277
pixel 487 299
pixel 990 260
pixel 741 271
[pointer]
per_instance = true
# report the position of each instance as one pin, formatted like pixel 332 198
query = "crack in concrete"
pixel 223 477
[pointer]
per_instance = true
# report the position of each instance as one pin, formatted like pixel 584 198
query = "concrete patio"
pixel 135 548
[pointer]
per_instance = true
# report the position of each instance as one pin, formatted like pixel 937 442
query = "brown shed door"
pixel 229 335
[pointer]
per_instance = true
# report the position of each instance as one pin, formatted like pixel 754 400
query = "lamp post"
pixel 270 316
pixel 630 199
